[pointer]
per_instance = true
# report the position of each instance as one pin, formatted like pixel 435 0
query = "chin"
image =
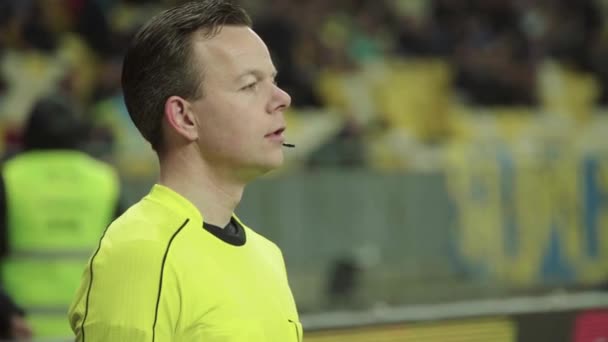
pixel 262 167
pixel 274 163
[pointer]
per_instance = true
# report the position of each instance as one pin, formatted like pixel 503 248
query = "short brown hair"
pixel 159 64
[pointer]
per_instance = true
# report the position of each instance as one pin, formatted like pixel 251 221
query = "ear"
pixel 181 118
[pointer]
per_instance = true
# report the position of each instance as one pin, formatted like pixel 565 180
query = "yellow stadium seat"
pixel 416 96
pixel 567 92
pixel 347 93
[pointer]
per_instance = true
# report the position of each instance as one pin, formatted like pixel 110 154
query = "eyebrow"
pixel 256 73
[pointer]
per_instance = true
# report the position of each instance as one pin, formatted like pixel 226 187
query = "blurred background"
pixel 451 158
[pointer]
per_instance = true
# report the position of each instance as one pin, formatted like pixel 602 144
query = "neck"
pixel 216 192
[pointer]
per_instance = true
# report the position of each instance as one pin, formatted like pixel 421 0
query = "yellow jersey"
pixel 158 275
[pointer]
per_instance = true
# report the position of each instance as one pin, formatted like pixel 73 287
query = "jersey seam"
pixel 86 305
pixel 162 270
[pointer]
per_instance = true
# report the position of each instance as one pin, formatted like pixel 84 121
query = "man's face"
pixel 240 116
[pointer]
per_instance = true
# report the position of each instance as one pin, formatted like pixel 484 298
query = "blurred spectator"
pixel 371 38
pixel 55 202
pixel 13 323
pixel 343 283
pixel 495 50
pixel 492 59
pixel 276 27
pixel 573 27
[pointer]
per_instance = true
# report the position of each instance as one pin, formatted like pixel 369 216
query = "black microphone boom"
pixel 289 145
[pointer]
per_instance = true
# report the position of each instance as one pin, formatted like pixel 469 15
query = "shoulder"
pixel 147 221
pixel 13 159
pixel 138 243
pixel 256 238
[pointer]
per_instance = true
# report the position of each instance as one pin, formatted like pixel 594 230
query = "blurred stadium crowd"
pixel 503 101
pixel 471 89
pixel 381 65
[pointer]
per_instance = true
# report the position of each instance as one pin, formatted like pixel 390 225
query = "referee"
pixel 199 85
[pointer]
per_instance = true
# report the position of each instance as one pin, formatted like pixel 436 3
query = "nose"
pixel 280 100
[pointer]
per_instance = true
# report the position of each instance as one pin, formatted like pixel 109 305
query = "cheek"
pixel 237 118
pixel 241 116
pixel 229 129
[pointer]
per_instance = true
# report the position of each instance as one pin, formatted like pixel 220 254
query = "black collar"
pixel 233 233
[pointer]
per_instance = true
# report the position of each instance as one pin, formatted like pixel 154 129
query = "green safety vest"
pixel 58 205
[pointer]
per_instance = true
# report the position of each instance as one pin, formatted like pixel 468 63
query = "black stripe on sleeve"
pixel 162 270
pixel 86 305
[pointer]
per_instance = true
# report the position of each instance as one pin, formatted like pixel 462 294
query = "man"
pixel 55 202
pixel 179 265
pixel 13 325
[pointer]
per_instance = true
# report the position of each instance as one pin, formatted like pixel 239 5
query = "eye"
pixel 250 86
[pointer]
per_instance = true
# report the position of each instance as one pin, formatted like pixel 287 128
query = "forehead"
pixel 231 51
